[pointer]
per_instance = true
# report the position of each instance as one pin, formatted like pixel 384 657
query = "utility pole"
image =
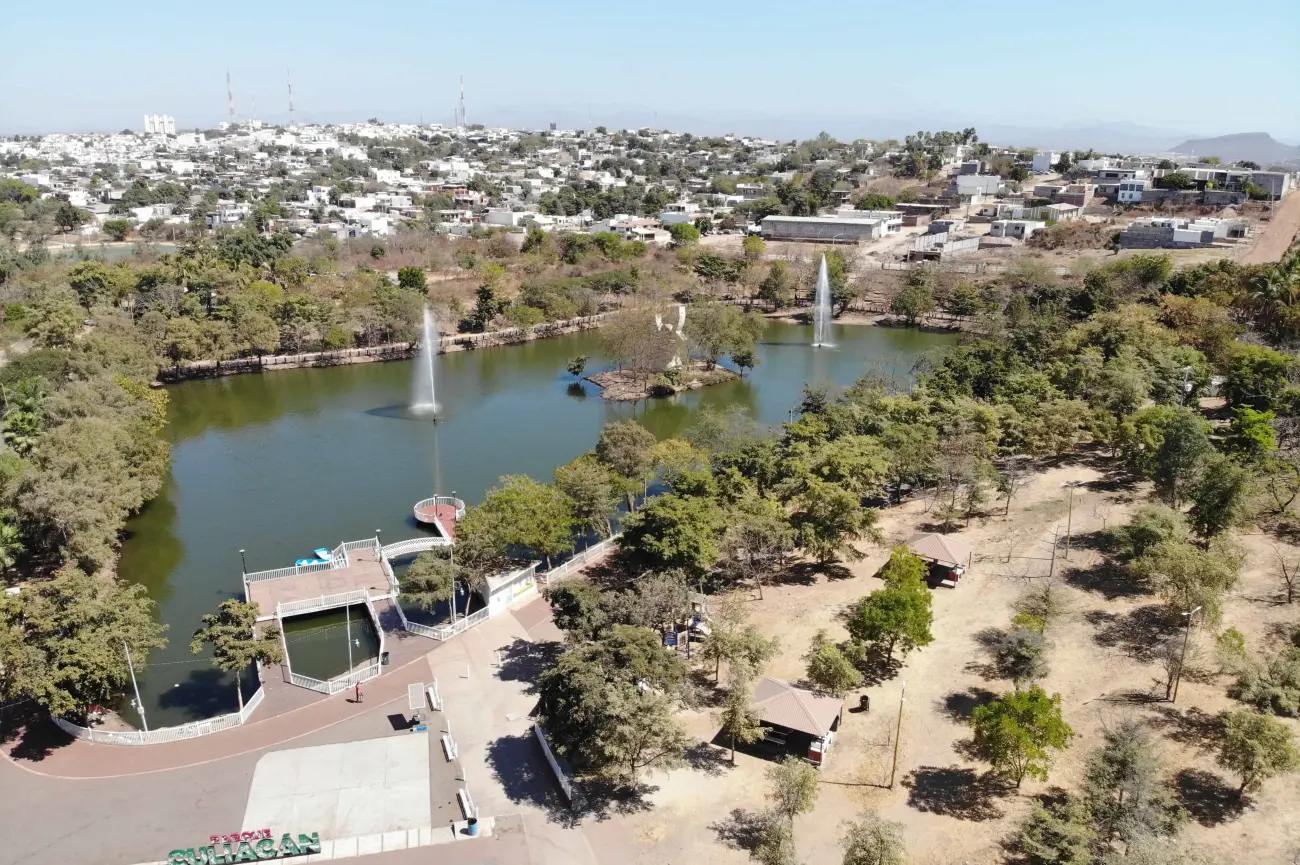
pixel 1182 657
pixel 898 733
pixel 463 119
pixel 1069 517
pixel 230 100
pixel 289 81
pixel 1051 570
pixel 139 704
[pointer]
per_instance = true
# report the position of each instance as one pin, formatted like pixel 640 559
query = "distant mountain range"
pixel 1256 146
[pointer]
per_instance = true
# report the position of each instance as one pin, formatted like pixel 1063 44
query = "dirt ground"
pixel 1101 663
pixel 1278 235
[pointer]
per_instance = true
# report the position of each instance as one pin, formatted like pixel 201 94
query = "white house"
pixel 1044 160
pixel 1020 229
pixel 1130 191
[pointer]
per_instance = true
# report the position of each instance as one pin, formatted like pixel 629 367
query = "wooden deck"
pixel 441 515
pixel 363 572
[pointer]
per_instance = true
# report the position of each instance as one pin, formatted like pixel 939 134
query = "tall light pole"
pixel 347 612
pixel 243 561
pixel 1069 514
pixel 139 704
pixel 1182 657
pixel 898 733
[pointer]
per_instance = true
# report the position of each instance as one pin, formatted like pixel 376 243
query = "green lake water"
pixel 281 463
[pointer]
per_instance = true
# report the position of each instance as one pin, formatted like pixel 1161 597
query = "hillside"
pixel 1257 146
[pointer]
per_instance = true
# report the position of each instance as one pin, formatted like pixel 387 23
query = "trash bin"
pixel 383 659
pixel 864 703
pixel 473 825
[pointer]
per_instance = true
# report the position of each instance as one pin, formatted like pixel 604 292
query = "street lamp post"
pixel 243 561
pixel 1182 656
pixel 139 704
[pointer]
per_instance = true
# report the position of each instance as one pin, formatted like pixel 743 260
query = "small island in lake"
pixel 634 384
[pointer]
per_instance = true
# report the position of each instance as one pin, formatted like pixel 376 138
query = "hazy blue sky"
pixel 1190 66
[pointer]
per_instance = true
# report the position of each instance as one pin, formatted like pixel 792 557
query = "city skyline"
pixel 751 68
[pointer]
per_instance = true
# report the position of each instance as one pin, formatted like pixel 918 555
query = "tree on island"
pixel 236 640
pixel 716 329
pixel 577 365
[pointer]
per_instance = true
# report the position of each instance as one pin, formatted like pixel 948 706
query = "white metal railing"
pixel 323 602
pixel 339 560
pixel 581 559
pixel 561 773
pixel 414 545
pixel 459 504
pixel 190 730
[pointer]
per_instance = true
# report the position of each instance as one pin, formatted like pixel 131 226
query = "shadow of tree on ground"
pixel 1189 727
pixel 741 830
pixel 954 791
pixel 1138 633
pixel 1207 798
pixel 959 705
pixel 525 661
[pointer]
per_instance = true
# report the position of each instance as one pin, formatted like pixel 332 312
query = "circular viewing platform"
pixel 440 511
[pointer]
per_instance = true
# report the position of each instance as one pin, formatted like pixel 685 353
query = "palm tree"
pixel 233 634
pixel 11 545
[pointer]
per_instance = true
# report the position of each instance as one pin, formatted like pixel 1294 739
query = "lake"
pixel 282 463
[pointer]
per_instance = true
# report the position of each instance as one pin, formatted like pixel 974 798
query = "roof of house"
pixel 780 703
pixel 943 549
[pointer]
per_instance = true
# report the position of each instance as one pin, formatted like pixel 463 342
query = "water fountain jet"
pixel 821 311
pixel 422 389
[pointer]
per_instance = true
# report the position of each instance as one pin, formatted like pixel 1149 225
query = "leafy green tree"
pixel 776 289
pixel 54 319
pixel 775 842
pixel 915 300
pixel 579 609
pixel 116 229
pixel 77 628
pixel 733 640
pixel 1020 655
pixel 737 718
pixel 1015 732
pixel 627 448
pixel 577 365
pixel 1124 788
pixel 1257 748
pixel 1271 685
pixel 431 579
pixel 1057 834
pixel 893 617
pixel 24 415
pixel 1188 577
pixel 904 570
pixel 591 698
pixel 11 541
pixel 67 216
pixel 716 329
pixel 828 518
pixel 675 531
pixel 792 788
pixel 1256 376
pixel 592 490
pixel 757 539
pixel 684 234
pixel 1150 526
pixel 753 247
pixel 1181 456
pixel 871 840
pixel 829 669
pixel 874 201
pixel 1177 180
pixel 236 641
pixel 521 513
pixel 1220 497
pixel 412 279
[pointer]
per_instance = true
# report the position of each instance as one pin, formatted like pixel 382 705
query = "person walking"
pixel 358 693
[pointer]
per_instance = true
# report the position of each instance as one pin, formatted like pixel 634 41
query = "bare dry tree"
pixel 1288 572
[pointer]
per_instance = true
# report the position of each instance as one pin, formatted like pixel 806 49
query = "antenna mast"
pixel 230 100
pixel 463 120
pixel 289 81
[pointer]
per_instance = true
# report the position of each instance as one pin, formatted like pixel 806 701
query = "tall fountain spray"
pixel 422 394
pixel 821 311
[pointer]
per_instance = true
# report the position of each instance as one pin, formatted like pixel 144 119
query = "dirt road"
pixel 1277 237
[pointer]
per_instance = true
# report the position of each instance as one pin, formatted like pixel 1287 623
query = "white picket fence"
pixel 192 730
pixel 581 559
pixel 341 682
pixel 561 774
pixel 322 602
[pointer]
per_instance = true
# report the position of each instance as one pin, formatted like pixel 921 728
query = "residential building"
pixel 159 124
pixel 1131 190
pixel 1044 160
pixel 1019 229
pixel 821 228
